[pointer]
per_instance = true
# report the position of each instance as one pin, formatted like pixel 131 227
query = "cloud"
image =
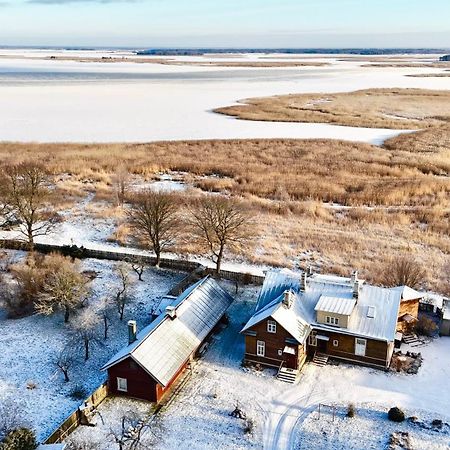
pixel 65 2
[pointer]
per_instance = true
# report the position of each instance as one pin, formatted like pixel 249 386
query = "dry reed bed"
pixel 372 108
pixel 283 183
pixel 330 171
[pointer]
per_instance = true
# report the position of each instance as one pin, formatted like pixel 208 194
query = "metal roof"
pixel 336 305
pixel 166 344
pixel 385 301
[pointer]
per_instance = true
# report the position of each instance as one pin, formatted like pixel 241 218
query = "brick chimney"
pixel 303 281
pixel 132 331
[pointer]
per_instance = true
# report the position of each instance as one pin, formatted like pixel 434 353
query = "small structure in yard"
pixel 156 357
pixel 322 316
pixel 444 328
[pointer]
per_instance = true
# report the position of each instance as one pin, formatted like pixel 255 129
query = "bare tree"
pixel 131 431
pixel 404 271
pixel 122 292
pixel 138 266
pixel 65 360
pixel 85 329
pixel 154 217
pixel 219 223
pixel 64 289
pixel 106 313
pixel 25 194
pixel 121 182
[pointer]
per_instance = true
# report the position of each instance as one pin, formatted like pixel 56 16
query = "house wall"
pixel 445 328
pixel 378 353
pixel 410 307
pixel 275 342
pixel 343 320
pixel 140 384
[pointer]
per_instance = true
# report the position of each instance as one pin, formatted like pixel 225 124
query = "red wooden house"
pixel 157 356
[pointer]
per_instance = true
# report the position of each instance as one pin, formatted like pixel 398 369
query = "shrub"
pixel 351 411
pixel 249 426
pixel 425 326
pixel 396 415
pixel 20 439
pixel 78 393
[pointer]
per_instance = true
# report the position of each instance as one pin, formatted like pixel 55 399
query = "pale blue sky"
pixel 212 23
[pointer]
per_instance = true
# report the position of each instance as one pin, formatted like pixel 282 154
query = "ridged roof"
pixel 165 345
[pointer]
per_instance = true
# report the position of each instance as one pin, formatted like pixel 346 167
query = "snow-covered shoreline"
pixel 98 102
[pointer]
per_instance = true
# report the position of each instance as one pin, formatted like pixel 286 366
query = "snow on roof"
pixel 336 305
pixel 409 293
pixel 291 319
pixel 165 345
pixel 385 301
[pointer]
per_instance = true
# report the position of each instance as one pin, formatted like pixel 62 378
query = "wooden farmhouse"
pixel 156 357
pixel 301 315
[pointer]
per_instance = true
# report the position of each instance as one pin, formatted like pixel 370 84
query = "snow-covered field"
pixel 44 100
pixel 199 416
pixel 29 346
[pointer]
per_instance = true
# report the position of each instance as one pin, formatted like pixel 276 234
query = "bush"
pixel 19 439
pixel 249 426
pixel 78 393
pixel 351 411
pixel 425 326
pixel 396 415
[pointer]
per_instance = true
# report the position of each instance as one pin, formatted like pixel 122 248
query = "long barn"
pixel 157 356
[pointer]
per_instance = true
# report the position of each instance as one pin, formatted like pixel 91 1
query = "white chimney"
pixel 171 311
pixel 288 298
pixel 132 331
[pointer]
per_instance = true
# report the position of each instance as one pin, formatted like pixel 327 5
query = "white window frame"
pixel 330 320
pixel 360 347
pixel 260 348
pixel 335 343
pixel 312 339
pixel 271 326
pixel 122 384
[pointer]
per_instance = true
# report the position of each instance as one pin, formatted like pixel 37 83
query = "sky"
pixel 226 23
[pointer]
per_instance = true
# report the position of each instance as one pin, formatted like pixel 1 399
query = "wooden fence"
pixel 180 264
pixel 74 420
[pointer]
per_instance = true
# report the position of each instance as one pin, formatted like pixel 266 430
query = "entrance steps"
pixel 410 339
pixel 287 375
pixel 320 359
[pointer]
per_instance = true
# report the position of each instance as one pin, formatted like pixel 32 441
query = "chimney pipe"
pixel 356 284
pixel 132 331
pixel 303 281
pixel 287 300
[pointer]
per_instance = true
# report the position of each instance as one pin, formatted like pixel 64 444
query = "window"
pixel 360 347
pixel 332 320
pixel 122 384
pixel 271 326
pixel 313 339
pixel 335 343
pixel 260 348
pixel 280 352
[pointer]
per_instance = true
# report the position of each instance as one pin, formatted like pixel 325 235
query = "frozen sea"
pixel 58 101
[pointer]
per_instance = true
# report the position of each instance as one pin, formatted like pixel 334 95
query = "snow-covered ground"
pixel 28 347
pixel 44 100
pixel 199 416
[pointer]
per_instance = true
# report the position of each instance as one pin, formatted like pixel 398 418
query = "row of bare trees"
pixel 215 223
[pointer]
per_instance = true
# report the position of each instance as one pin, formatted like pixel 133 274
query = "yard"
pixel 28 375
pixel 279 414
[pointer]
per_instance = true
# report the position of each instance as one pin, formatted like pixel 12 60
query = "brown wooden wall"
pixel 274 342
pixel 376 351
pixel 140 384
pixel 407 307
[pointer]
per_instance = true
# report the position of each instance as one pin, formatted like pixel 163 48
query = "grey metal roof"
pixel 166 344
pixel 385 301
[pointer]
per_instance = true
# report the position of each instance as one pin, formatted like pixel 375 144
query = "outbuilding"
pixel 157 356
